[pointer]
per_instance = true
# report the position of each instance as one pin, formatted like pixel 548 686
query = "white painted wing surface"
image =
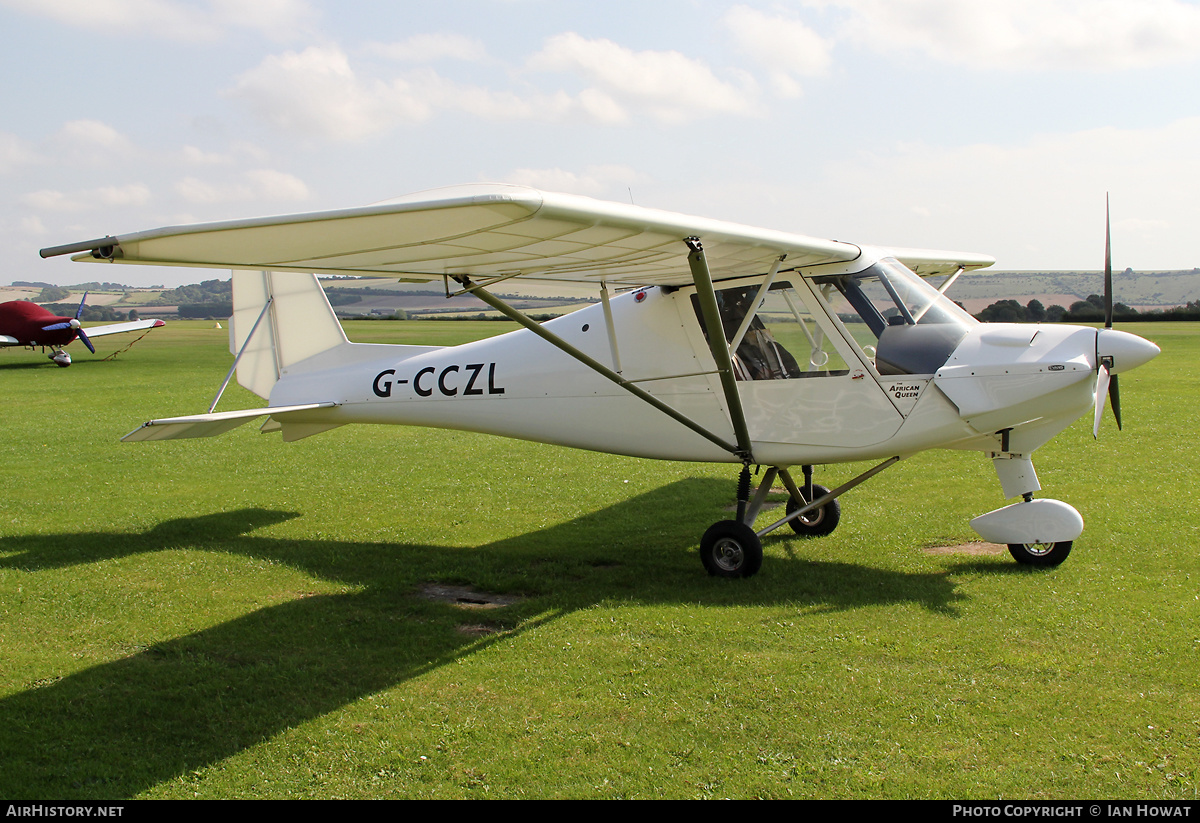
pixel 486 230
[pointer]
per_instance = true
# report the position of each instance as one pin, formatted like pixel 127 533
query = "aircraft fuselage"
pixel 1032 380
pixel 26 322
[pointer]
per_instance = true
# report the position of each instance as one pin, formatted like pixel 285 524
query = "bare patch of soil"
pixel 476 630
pixel 976 548
pixel 467 598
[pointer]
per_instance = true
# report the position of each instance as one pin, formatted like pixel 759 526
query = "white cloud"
pixel 1030 34
pixel 782 44
pixel 14 152
pixel 426 48
pixel 254 185
pixel 1041 199
pixel 133 194
pixel 667 85
pixel 444 94
pixel 239 151
pixel 317 93
pixel 31 225
pixel 198 157
pixel 276 19
pixel 90 144
pixel 595 181
pixel 174 20
pixel 91 134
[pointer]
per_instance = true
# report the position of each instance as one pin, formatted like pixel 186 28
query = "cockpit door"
pixel 800 381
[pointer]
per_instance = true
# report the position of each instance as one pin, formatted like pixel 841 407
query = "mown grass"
pixel 236 617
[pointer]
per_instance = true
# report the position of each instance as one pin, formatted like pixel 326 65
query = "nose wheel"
pixel 1040 554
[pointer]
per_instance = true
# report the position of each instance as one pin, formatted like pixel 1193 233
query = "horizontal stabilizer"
pixel 210 425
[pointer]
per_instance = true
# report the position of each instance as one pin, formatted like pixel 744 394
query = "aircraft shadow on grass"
pixel 120 728
pixel 38 364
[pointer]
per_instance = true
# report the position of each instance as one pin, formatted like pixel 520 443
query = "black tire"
pixel 818 522
pixel 1043 555
pixel 731 549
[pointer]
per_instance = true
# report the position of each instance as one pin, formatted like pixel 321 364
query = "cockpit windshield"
pixel 889 290
pixel 915 327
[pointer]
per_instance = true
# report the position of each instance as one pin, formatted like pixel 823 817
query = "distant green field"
pixel 236 617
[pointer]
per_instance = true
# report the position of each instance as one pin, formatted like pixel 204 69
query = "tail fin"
pixel 297 323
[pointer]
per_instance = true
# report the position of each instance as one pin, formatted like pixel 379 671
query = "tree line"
pixel 91 314
pixel 1090 310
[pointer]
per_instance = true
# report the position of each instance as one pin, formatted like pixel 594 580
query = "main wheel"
pixel 818 522
pixel 1040 554
pixel 731 549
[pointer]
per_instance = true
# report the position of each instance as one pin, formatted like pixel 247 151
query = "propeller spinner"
pixel 74 323
pixel 79 332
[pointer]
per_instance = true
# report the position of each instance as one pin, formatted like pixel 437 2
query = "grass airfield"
pixel 238 617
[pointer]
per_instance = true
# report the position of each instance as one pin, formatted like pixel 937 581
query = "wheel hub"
pixel 728 554
pixel 813 517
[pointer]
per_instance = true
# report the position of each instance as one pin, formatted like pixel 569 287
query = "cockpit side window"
pixel 781 342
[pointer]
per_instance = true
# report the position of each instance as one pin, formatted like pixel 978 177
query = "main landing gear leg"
pixel 821 498
pixel 730 548
pixel 817 522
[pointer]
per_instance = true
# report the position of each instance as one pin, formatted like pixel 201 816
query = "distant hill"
pixel 1142 290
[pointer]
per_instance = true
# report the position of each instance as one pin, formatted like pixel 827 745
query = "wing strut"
pixel 596 366
pixel 716 343
pixel 608 324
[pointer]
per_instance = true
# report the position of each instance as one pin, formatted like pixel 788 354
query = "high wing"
pixel 490 230
pixel 120 328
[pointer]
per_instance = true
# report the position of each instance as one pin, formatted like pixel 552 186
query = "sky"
pixel 992 126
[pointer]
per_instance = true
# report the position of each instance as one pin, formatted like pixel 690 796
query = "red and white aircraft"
pixel 729 344
pixel 27 324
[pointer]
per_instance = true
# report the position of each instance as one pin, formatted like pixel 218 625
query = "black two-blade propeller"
pixel 74 324
pixel 1106 383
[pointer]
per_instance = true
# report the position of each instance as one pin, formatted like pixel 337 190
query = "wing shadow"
pixel 120 728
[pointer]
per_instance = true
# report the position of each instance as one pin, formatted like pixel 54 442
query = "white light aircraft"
pixel 725 343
